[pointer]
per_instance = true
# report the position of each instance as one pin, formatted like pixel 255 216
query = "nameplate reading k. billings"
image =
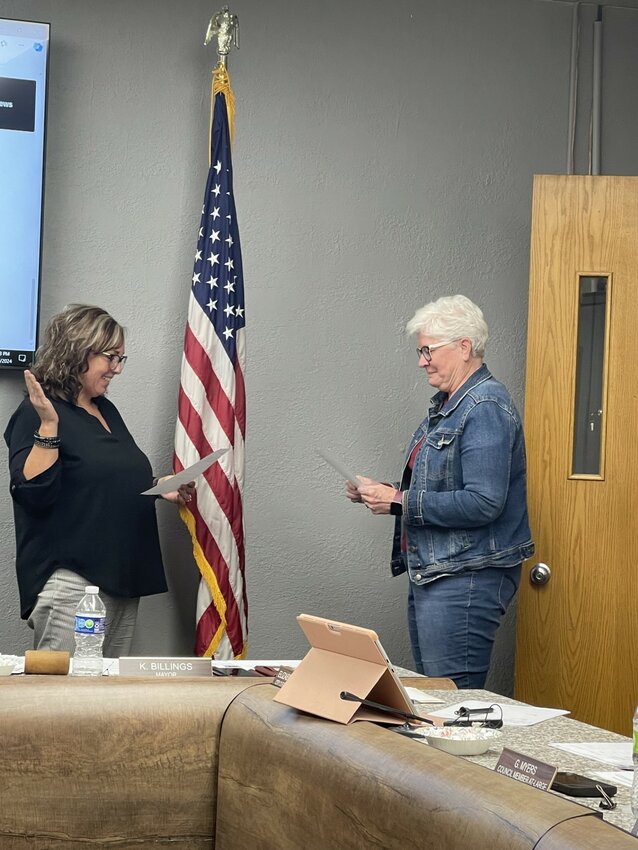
pixel 165 668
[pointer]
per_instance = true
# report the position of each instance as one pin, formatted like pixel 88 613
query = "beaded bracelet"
pixel 46 442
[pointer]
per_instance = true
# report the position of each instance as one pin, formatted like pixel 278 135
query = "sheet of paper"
pixel 513 715
pixel 339 467
pixel 615 777
pixel 251 664
pixel 421 697
pixel 16 660
pixel 618 753
pixel 186 475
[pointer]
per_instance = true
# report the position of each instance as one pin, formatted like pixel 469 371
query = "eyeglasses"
pixel 115 360
pixel 471 717
pixel 425 351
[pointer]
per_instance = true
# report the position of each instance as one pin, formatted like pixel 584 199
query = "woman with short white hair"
pixel 462 530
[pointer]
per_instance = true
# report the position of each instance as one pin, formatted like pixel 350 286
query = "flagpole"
pixel 212 398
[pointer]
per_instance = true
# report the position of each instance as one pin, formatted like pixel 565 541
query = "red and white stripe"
pixel 211 415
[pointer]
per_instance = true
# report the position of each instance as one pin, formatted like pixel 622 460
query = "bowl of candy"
pixel 7 664
pixel 461 740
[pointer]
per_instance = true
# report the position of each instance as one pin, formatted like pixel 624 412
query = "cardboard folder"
pixel 343 657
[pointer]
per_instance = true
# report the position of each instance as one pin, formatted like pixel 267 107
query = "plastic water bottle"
pixel 634 787
pixel 89 634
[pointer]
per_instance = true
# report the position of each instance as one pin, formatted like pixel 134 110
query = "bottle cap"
pixel 91 588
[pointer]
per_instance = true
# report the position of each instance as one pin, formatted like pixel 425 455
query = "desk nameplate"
pixel 526 769
pixel 283 674
pixel 165 667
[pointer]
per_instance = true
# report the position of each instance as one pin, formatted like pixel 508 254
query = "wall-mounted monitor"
pixel 24 52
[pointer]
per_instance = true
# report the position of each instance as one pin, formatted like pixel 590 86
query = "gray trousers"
pixel 53 617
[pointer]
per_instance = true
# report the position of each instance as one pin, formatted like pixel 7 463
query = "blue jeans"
pixel 453 622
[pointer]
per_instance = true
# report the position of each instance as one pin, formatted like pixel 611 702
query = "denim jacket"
pixel 466 504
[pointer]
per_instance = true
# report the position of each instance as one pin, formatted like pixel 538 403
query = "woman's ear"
pixel 466 347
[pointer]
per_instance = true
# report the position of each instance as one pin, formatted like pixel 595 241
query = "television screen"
pixel 24 50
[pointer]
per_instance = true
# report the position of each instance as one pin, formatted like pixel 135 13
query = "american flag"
pixel 211 410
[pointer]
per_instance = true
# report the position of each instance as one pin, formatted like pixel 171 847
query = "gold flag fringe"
pixel 221 84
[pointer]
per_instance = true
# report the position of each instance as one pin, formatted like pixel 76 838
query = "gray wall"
pixel 384 156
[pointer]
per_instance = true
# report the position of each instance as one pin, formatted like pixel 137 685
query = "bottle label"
pixel 89 625
pixel 635 740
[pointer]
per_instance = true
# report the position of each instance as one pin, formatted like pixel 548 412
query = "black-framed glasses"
pixel 425 351
pixel 115 360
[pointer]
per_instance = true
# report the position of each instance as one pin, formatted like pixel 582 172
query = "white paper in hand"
pixel 186 475
pixel 339 467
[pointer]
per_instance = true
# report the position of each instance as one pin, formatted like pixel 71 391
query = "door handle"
pixel 540 574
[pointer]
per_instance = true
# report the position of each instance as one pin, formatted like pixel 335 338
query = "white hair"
pixel 452 317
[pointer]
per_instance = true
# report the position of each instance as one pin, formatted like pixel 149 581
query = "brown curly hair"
pixel 69 338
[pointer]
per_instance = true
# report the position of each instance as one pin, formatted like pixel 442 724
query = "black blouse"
pixel 85 513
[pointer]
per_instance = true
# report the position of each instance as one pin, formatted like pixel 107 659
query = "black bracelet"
pixel 46 442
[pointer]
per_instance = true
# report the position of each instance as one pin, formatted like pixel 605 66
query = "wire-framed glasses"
pixel 425 351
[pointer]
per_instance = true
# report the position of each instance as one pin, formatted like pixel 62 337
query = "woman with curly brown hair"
pixel 76 479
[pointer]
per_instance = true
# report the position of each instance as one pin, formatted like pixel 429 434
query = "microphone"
pixel 387 709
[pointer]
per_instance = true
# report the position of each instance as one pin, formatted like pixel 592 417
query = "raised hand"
pixel 41 404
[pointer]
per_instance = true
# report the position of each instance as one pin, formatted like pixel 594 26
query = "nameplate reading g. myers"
pixel 165 668
pixel 526 769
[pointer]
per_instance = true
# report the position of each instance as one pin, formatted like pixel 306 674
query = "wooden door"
pixel 577 635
